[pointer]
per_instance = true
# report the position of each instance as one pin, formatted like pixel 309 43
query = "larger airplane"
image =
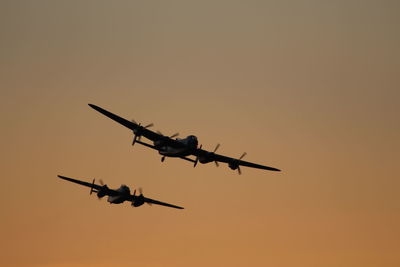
pixel 120 195
pixel 167 146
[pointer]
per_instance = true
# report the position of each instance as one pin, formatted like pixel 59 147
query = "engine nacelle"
pixel 160 143
pixel 206 159
pixel 103 191
pixel 138 131
pixel 137 203
pixel 233 165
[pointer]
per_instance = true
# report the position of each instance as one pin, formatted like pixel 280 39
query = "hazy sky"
pixel 310 87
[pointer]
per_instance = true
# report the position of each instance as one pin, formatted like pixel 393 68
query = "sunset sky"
pixel 309 87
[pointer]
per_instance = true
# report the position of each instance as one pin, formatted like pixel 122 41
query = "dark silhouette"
pixel 167 146
pixel 117 196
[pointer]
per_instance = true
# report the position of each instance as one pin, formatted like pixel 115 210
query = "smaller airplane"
pixel 117 196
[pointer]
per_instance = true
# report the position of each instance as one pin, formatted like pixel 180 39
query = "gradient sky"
pixel 311 87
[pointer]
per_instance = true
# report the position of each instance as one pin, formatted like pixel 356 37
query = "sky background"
pixel 310 87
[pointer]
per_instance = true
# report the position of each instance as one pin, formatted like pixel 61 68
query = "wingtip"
pixel 272 169
pixel 97 108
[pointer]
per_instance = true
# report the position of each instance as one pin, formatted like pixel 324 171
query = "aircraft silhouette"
pixel 117 196
pixel 167 146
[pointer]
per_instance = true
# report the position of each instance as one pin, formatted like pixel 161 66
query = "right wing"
pixel 153 136
pixel 91 185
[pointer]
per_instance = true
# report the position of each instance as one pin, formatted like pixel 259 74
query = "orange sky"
pixel 310 87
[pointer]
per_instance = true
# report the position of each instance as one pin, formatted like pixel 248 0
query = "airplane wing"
pixel 153 136
pixel 211 156
pixel 156 202
pixel 91 185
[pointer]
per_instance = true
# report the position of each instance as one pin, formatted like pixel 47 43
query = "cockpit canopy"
pixel 124 189
pixel 192 141
pixel 192 137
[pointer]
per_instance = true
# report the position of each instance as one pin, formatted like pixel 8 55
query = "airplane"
pixel 117 196
pixel 182 148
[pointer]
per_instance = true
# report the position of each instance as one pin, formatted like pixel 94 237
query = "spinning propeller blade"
pixel 137 135
pixel 197 158
pixel 238 167
pixel 92 189
pixel 171 136
pixel 141 194
pixel 216 148
pixel 210 154
pixel 174 135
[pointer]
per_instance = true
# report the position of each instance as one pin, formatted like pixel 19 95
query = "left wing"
pixel 152 201
pixel 211 156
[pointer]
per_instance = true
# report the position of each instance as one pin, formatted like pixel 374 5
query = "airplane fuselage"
pixel 189 145
pixel 124 194
pixel 180 148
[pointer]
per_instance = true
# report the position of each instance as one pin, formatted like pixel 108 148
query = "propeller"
pixel 215 149
pixel 140 194
pixel 92 189
pixel 197 158
pixel 174 135
pixel 137 135
pixel 101 193
pixel 171 136
pixel 238 167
